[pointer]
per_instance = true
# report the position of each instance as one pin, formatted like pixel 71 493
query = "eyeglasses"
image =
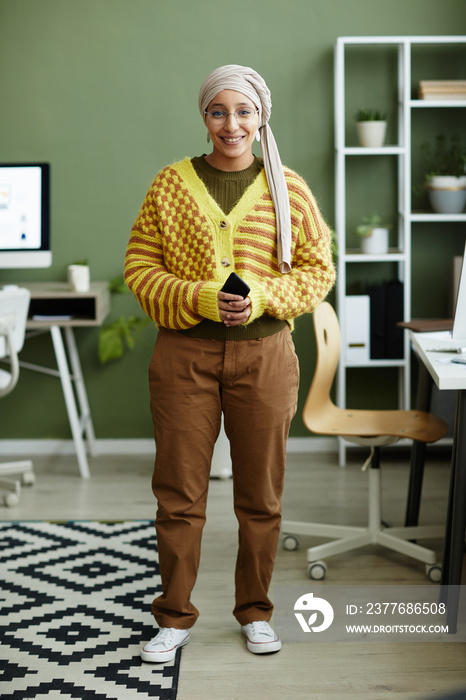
pixel 243 116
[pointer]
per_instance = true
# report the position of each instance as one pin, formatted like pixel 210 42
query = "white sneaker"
pixel 164 645
pixel 261 639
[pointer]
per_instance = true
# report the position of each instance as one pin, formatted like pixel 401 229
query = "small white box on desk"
pixel 357 316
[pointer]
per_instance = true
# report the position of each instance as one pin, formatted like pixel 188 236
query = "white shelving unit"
pixel 401 151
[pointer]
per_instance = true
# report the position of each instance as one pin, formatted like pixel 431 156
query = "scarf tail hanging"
pixel 279 193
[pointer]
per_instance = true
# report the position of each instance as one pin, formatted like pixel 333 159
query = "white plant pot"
pixel 371 134
pixel 447 194
pixel 376 243
pixel 79 278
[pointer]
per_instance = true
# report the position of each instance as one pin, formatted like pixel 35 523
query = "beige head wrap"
pixel 248 82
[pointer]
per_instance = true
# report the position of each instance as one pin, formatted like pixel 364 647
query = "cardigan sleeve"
pixel 287 296
pixel 165 297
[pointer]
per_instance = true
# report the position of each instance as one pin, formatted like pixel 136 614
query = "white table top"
pixel 445 373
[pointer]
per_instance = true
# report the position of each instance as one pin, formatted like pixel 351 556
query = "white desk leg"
pixel 86 420
pixel 70 401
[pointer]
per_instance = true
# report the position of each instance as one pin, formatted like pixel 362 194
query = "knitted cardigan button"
pixel 224 225
pixel 226 262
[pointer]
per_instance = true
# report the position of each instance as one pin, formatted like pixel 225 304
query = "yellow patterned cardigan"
pixel 181 243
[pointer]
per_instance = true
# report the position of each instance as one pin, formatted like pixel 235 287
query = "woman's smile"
pixel 232 139
pixel 232 142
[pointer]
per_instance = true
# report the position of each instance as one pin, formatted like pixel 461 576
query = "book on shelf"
pixel 442 90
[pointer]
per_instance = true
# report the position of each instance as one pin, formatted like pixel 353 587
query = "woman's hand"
pixel 233 309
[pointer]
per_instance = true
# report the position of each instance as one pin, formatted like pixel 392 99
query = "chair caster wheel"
pixel 317 570
pixel 11 500
pixel 290 543
pixel 28 479
pixel 434 573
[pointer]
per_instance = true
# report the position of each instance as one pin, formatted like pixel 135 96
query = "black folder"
pixel 386 304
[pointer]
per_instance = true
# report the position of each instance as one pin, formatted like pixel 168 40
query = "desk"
pixel 53 308
pixel 448 375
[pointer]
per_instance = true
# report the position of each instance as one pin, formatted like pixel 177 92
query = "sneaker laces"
pixel 165 636
pixel 261 627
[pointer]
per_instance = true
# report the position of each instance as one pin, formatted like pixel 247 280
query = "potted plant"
pixel 78 274
pixel 445 179
pixel 371 125
pixel 373 234
pixel 124 332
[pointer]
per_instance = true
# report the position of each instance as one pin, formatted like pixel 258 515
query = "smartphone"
pixel 235 285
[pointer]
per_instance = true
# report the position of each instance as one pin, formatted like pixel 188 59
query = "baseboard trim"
pixel 311 444
pixel 138 446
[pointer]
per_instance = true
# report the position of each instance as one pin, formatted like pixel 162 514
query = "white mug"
pixel 79 278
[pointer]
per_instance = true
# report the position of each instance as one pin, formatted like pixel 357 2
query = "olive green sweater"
pixel 226 188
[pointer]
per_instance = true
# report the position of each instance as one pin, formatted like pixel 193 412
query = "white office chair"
pixel 14 306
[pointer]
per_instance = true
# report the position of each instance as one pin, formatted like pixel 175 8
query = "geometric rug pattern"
pixel 75 609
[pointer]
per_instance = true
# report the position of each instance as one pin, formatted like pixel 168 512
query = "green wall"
pixel 106 91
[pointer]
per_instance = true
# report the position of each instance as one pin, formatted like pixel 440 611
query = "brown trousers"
pixel 255 384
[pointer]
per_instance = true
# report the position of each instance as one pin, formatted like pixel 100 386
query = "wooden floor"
pixel 216 665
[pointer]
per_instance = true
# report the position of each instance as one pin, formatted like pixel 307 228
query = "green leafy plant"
pixel 121 334
pixel 368 223
pixel 445 157
pixel 114 336
pixel 370 115
pixel 118 285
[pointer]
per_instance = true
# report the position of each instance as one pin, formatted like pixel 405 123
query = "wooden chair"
pixel 373 428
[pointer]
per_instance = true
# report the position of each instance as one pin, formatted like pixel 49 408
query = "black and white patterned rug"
pixel 75 610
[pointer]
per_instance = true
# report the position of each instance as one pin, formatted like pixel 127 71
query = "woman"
pixel 219 352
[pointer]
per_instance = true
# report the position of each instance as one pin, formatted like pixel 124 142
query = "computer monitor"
pixel 459 323
pixel 25 215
